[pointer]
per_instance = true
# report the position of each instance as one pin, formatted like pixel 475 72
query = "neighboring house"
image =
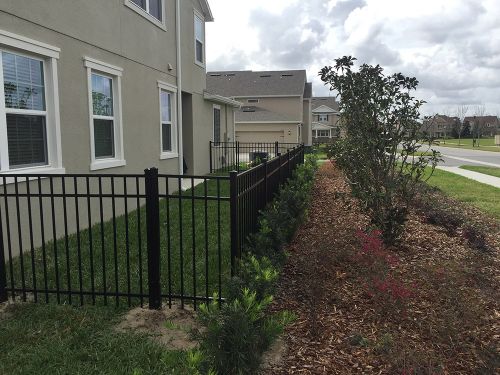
pixel 439 126
pixel 113 86
pixel 326 116
pixel 486 126
pixel 276 104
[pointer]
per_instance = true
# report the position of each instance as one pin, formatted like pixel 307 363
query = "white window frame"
pixel 323 118
pixel 115 73
pixel 145 13
pixel 202 19
pixel 214 107
pixel 164 155
pixel 49 56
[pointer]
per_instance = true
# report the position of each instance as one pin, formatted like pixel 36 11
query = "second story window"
pixel 323 118
pixel 199 39
pixel 152 7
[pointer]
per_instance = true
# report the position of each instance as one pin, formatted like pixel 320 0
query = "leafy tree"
pixel 382 136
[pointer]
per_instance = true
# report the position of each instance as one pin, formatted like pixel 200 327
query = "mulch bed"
pixel 450 324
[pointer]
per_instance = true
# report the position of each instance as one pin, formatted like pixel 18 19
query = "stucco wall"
pixel 290 107
pixel 290 130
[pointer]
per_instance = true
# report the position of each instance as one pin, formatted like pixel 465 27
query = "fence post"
pixel 289 166
pixel 280 169
pixel 276 148
pixel 3 276
pixel 265 184
pixel 235 226
pixel 153 237
pixel 238 156
pixel 211 166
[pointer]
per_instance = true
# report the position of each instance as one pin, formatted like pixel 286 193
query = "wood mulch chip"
pixel 451 324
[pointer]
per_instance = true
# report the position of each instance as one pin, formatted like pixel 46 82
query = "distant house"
pixel 439 126
pixel 276 104
pixel 326 116
pixel 486 126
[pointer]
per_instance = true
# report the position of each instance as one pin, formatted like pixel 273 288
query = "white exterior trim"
pixel 164 155
pixel 27 44
pixel 161 24
pixel 197 14
pixel 102 66
pixel 221 99
pixel 115 74
pixel 49 56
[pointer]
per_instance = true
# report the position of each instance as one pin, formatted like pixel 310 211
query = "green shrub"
pixel 238 332
pixel 258 275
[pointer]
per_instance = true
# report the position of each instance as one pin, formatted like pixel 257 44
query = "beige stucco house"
pixel 111 86
pixel 276 104
pixel 326 116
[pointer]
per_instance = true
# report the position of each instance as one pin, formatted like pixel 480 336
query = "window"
pixel 199 39
pixel 168 121
pixel 29 106
pixel 253 100
pixel 322 117
pixel 217 132
pixel 153 10
pixel 323 133
pixel 106 129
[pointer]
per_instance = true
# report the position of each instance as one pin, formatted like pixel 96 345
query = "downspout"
pixel 179 87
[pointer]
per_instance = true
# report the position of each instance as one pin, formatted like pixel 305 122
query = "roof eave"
pixel 221 99
pixel 209 17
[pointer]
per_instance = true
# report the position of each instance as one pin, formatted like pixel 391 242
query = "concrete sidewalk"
pixel 479 177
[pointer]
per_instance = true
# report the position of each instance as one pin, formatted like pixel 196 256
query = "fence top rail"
pixel 66 175
pixel 191 177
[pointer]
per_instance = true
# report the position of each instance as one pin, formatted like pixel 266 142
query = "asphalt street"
pixel 455 157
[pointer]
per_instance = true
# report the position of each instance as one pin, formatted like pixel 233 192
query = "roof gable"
pixel 324 109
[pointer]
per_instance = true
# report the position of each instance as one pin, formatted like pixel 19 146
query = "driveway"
pixel 455 157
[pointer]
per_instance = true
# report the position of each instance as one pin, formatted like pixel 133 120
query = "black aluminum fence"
pixel 239 156
pixel 129 239
pixel 252 190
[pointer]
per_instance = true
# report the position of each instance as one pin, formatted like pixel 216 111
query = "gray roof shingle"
pixel 330 102
pixel 248 83
pixel 261 115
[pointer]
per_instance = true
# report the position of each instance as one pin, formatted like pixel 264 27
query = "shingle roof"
pixel 330 102
pixel 248 83
pixel 308 91
pixel 256 114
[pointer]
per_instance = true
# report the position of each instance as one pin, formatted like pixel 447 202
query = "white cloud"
pixel 451 46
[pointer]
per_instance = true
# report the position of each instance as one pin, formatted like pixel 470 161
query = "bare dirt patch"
pixel 170 327
pixel 450 324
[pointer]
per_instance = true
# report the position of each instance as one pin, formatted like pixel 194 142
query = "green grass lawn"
pixel 50 339
pixel 485 144
pixel 483 196
pixel 100 272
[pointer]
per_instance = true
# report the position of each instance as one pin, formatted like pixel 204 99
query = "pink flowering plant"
pixel 377 266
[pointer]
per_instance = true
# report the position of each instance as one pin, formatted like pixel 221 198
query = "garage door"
pixel 259 136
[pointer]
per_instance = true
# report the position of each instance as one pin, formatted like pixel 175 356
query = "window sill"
pixel 168 155
pixel 146 15
pixel 106 164
pixel 35 171
pixel 201 65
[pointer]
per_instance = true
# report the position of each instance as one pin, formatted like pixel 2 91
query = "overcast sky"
pixel 451 46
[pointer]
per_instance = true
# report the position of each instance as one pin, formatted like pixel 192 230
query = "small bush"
pixel 238 332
